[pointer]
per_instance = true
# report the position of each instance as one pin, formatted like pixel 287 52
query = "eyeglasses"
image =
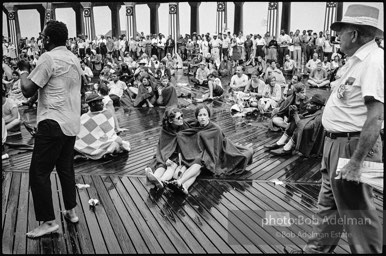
pixel 43 35
pixel 179 117
pixel 340 33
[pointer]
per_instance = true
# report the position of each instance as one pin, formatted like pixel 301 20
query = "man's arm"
pixel 28 87
pixel 369 135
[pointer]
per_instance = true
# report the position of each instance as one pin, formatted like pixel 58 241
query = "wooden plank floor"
pixel 218 216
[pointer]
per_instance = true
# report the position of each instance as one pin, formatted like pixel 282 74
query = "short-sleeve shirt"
pixel 117 88
pixel 58 74
pixel 322 74
pixel 239 81
pixel 362 75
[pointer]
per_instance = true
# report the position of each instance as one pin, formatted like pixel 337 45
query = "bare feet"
pixel 45 228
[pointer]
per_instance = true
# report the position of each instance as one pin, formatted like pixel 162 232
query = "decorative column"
pixel 174 23
pixel 286 17
pixel 88 19
pixel 42 11
pixel 330 16
pixel 339 13
pixel 131 26
pixel 154 24
pixel 273 16
pixel 13 26
pixel 238 22
pixel 115 20
pixel 221 17
pixel 49 13
pixel 79 21
pixel 194 17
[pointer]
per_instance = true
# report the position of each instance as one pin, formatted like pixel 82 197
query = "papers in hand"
pixel 372 172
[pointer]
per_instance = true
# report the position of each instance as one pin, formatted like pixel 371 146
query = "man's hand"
pixel 351 171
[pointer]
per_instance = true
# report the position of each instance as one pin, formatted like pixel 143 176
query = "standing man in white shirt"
pixel 352 118
pixel 225 45
pixel 283 40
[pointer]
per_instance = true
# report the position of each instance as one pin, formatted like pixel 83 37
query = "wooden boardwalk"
pixel 218 215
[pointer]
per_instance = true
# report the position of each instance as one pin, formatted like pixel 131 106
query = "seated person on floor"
pixel 147 93
pixel 201 77
pixel 211 151
pixel 162 71
pixel 95 141
pixel 273 70
pixel 11 114
pixel 108 104
pixel 15 90
pixel 261 66
pixel 194 64
pixel 215 87
pixel 167 94
pixel 116 89
pixel 326 65
pixel 239 81
pixel 87 71
pixel 318 77
pixel 289 66
pixel 282 116
pixel 312 63
pixel 167 160
pixel 305 132
pixel 288 89
pixel 255 86
pixel 212 66
pixel 225 67
pixel 170 63
pixel 271 95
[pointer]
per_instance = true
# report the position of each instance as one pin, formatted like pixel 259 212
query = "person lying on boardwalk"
pixel 97 136
pixel 305 131
pixel 217 153
pixel 215 87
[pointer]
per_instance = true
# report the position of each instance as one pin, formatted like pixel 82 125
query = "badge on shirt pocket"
pixel 344 87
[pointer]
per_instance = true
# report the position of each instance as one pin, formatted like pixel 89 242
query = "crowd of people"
pixel 78 83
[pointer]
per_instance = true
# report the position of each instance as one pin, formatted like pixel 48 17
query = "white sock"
pixel 282 140
pixel 289 145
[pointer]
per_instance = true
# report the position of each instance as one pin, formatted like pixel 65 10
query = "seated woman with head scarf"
pixel 216 153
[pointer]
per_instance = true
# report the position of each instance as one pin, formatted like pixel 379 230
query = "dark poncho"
pixel 206 146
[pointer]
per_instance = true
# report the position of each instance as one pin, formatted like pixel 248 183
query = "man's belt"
pixel 334 135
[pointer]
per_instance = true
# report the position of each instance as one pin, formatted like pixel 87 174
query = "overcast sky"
pixel 304 15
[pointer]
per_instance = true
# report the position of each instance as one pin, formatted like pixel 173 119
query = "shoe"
pixel 291 250
pixel 281 152
pixel 72 220
pixel 273 146
pixel 153 179
pixel 173 185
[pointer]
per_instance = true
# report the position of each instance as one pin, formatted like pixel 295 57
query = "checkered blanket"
pixel 97 136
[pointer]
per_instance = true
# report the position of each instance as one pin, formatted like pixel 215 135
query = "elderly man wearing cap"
pixel 95 141
pixel 352 118
pixel 304 132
